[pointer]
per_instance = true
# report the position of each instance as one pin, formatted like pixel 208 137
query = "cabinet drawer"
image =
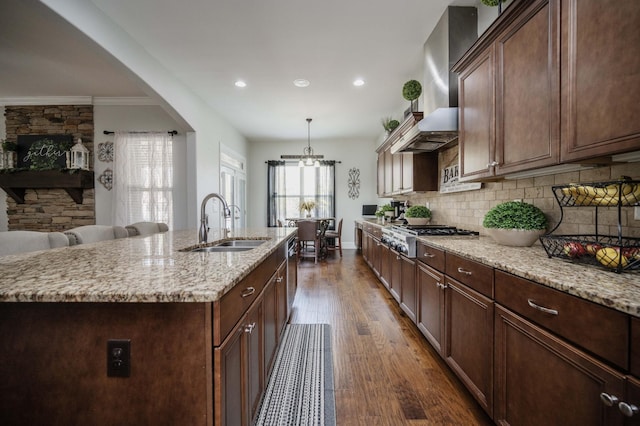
pixel 635 347
pixel 603 331
pixel 232 306
pixel 431 256
pixel 471 273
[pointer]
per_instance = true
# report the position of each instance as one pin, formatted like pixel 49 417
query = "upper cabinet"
pixel 600 62
pixel 550 82
pixel 405 172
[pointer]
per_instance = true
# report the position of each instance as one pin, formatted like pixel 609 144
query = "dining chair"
pixel 93 233
pixel 308 239
pixel 336 236
pixel 14 242
pixel 146 228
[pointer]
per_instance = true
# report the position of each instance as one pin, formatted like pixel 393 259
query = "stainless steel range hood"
pixel 455 32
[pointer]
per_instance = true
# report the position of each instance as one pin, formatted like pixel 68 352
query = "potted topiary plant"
pixel 411 91
pixel 389 124
pixel 515 223
pixel 417 215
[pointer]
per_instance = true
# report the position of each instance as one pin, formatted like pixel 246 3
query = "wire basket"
pixel 610 252
pixel 623 192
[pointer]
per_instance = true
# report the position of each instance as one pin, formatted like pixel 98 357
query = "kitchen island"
pixel 183 314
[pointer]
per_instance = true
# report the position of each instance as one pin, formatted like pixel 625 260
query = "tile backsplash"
pixel 467 209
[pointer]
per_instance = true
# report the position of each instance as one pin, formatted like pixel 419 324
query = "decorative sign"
pixel 43 152
pixel 449 181
pixel 354 183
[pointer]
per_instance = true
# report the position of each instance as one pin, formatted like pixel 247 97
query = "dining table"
pixel 323 225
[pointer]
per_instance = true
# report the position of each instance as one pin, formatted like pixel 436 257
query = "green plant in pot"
pixel 515 223
pixel 389 124
pixel 417 215
pixel 411 91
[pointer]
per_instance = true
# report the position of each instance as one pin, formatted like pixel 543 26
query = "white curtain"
pixel 143 178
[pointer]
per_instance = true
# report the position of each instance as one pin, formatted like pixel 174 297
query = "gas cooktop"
pixel 432 230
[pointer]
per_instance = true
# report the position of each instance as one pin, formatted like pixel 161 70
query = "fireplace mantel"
pixel 16 183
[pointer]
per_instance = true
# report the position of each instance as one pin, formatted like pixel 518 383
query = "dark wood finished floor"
pixel 385 372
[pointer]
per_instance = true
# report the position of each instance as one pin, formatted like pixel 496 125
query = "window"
pixel 143 178
pixel 290 185
pixel 233 187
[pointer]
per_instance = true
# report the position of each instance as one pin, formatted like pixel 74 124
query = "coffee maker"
pixel 398 209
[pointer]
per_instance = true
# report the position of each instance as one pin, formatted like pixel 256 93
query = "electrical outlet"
pixel 118 358
pixel 518 200
pixel 636 213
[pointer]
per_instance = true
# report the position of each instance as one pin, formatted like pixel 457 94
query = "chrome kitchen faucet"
pixel 203 234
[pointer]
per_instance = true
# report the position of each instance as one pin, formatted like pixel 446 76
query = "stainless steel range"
pixel 402 238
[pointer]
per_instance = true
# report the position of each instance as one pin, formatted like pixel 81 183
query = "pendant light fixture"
pixel 311 160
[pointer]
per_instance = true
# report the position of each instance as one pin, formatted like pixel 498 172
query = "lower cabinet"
pixel 243 361
pixel 541 379
pixel 630 405
pixel 237 364
pixel 396 274
pixel 430 314
pixel 385 265
pixel 408 290
pixel 468 345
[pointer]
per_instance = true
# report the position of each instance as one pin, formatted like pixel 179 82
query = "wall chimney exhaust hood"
pixel 452 36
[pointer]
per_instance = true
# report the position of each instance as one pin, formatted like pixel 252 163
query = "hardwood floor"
pixel 385 372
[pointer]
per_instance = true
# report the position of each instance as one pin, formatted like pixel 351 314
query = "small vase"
pixel 10 159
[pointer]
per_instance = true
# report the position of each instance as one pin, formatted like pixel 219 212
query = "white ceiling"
pixel 208 44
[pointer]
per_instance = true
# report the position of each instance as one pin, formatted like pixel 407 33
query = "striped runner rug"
pixel 300 389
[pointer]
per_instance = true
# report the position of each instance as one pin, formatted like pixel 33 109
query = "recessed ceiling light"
pixel 301 82
pixel 358 82
pixel 240 83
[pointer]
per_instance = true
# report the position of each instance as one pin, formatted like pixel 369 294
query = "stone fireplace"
pixel 49 209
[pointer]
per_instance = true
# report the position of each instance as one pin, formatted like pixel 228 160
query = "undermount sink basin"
pixel 229 246
pixel 221 248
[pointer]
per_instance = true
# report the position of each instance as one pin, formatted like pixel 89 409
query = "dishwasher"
pixel 292 273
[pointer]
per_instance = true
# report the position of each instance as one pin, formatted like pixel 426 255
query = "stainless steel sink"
pixel 228 246
pixel 221 249
pixel 240 243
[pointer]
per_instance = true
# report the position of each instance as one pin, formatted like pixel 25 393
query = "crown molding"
pixel 77 100
pixel 46 100
pixel 124 100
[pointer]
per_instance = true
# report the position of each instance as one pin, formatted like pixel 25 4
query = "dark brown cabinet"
pixel 238 364
pixel 468 345
pixel 540 379
pixel 396 275
pixel 385 265
pixel 601 78
pixel 430 318
pixel 408 290
pixel 550 82
pixel 630 406
pixel 509 96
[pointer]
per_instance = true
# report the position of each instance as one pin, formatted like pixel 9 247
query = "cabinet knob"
pixel 279 279
pixel 608 400
pixel 628 410
pixel 249 327
pixel 492 164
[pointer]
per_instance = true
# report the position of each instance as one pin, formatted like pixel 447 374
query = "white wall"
pixel 359 154
pixel 139 118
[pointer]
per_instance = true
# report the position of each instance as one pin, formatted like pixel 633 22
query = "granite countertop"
pixel 136 269
pixel 598 285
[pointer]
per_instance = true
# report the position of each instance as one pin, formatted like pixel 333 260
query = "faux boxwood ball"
pixel 515 215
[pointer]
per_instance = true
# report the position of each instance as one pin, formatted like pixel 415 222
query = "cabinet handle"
pixel 492 164
pixel 279 279
pixel 429 255
pixel 628 410
pixel 547 311
pixel 442 286
pixel 397 257
pixel 463 271
pixel 608 400
pixel 248 291
pixel 249 327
